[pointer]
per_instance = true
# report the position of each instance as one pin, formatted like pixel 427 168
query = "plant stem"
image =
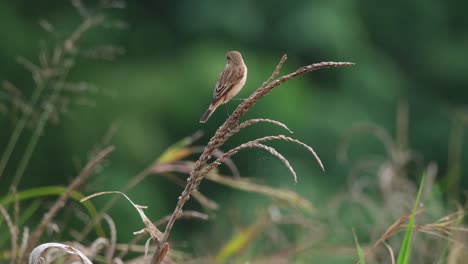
pixel 19 129
pixel 38 131
pixel 32 145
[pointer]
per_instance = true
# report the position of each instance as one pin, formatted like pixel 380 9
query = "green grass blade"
pixel 359 249
pixel 405 250
pixel 52 191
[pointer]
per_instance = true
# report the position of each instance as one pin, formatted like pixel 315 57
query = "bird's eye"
pixel 228 57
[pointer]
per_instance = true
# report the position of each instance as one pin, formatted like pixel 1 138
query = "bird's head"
pixel 234 57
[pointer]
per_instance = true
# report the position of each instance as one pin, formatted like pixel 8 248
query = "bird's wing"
pixel 227 80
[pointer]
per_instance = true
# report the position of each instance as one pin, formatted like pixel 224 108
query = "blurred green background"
pixel 155 93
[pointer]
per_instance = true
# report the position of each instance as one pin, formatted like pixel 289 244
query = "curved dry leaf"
pixel 36 255
pixel 155 233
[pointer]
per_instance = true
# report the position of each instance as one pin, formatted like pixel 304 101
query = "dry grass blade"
pixel 183 215
pixel 24 242
pixel 180 165
pixel 184 167
pixel 392 230
pixel 113 239
pixel 457 253
pixel 36 254
pixel 77 182
pixel 286 196
pixel 154 232
pixel 164 220
pixel 150 227
pixel 13 231
pixel 447 227
pixel 94 250
pixel 390 251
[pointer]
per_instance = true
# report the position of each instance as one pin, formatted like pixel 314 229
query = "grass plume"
pixel 202 166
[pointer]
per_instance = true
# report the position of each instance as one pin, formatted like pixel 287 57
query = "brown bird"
pixel 230 82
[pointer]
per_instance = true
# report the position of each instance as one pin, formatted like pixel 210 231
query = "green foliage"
pixel 405 250
pixel 360 252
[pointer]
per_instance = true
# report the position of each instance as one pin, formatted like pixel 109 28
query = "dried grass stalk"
pixel 223 134
pixel 77 182
pixel 255 121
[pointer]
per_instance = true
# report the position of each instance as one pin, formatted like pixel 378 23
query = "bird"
pixel 230 82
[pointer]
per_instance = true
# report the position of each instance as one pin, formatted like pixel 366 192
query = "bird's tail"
pixel 207 114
